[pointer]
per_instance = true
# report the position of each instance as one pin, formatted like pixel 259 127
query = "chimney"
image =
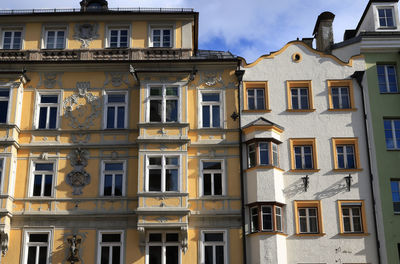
pixel 323 32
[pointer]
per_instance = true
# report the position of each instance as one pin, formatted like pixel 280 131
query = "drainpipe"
pixel 239 74
pixel 358 76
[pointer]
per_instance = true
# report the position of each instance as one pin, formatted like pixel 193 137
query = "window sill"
pixel 347 170
pixel 310 235
pixel 109 48
pixel 310 170
pixel 354 234
pixel 342 109
pixel 386 28
pixel 163 194
pixel 267 233
pixel 160 124
pixel 301 110
pixel 263 167
pixel 47 129
pixel 257 111
pixel 390 93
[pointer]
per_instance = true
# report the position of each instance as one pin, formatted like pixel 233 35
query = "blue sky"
pixel 246 28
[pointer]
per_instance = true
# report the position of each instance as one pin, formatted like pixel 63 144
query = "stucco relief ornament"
pixel 211 78
pixel 78 177
pixel 85 33
pixel 82 108
pixel 74 249
pixel 50 79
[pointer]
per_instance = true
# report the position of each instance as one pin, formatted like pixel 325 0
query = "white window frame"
pixel 32 177
pixel 303 157
pixel 255 97
pixel 55 27
pixel 307 217
pixel 299 96
pixel 385 66
pixel 13 30
pixel 221 109
pixel 271 216
pixel 340 88
pixel 163 168
pixel 161 28
pixel 345 153
pixel 252 214
pixel 26 243
pixel 38 105
pixel 393 130
pixel 223 177
pixel 350 216
pixel 100 243
pixel 118 27
pixel 103 163
pixel 386 18
pixel 203 244
pixel 106 104
pixel 163 245
pixel 2 169
pixel 163 99
pixel 9 100
pixel 276 220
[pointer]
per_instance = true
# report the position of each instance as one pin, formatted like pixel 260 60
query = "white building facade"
pixel 307 190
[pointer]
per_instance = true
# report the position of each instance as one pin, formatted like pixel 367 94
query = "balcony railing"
pixel 95 54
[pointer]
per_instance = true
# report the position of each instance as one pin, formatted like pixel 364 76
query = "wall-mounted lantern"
pixel 348 182
pixel 306 181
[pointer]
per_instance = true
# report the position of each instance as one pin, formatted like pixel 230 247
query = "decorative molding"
pixel 142 238
pixel 78 177
pixel 76 111
pixel 81 138
pixel 116 79
pixel 162 219
pixel 44 156
pixel 86 33
pixel 184 239
pixel 211 78
pixel 73 252
pixel 50 79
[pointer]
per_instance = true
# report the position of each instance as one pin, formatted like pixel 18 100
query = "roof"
pixel 262 122
pixel 214 54
pixel 323 16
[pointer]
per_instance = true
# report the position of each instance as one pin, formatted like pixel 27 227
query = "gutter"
pixel 239 74
pixel 358 76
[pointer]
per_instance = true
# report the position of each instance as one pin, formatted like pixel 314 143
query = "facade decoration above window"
pixel 85 33
pixel 74 244
pixel 78 177
pixel 50 79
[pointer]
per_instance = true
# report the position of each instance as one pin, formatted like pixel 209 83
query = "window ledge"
pixel 347 170
pixel 257 111
pixel 162 194
pixel 386 28
pixel 160 124
pixel 263 167
pixel 310 235
pixel 389 93
pixel 301 110
pixel 342 109
pixel 311 170
pixel 267 233
pixel 354 234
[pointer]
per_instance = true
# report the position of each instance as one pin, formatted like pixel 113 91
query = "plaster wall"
pixel 346 52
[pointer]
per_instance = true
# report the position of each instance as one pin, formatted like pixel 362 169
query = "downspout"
pixel 358 76
pixel 239 74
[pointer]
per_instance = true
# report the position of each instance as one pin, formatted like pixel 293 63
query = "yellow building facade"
pixel 119 139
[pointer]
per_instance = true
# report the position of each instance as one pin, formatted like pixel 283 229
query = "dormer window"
pixel 386 18
pixel 161 37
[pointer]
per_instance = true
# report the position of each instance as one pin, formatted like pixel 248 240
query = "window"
pixel 341 95
pixel 308 217
pixel 346 153
pixel 299 96
pixel 110 247
pixel 386 19
pixel 398 250
pixel 352 217
pixel 118 38
pixel 259 154
pixel 163 103
pixel 387 78
pixel 43 175
pixel 303 154
pixel 392 133
pixel 113 178
pixel 48 111
pixel 212 178
pixel 12 39
pixel 395 185
pixel 256 96
pixel 163 173
pixel 116 105
pixel 213 247
pixel 55 38
pixel 161 37
pixel 163 248
pixel 4 99
pixel 266 217
pixel 211 114
pixel 37 248
pixel 1 173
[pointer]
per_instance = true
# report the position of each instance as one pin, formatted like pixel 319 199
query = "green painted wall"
pixel 388 161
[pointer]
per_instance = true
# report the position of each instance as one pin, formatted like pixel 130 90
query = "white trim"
pixel 27 232
pixel 123 26
pixel 303 157
pixel 163 244
pixel 102 177
pixel 223 177
pixel 121 244
pixel 299 96
pixel 164 98
pixel 3 160
pixel 202 244
pixel 31 177
pixel 55 27
pixel 340 98
pixel 385 68
pixel 163 168
pixel 377 18
pixel 105 108
pixel 166 26
pixel 222 121
pixel 10 90
pixel 20 28
pixel 59 103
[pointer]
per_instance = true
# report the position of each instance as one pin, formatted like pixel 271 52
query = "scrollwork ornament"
pixel 78 177
pixel 86 33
